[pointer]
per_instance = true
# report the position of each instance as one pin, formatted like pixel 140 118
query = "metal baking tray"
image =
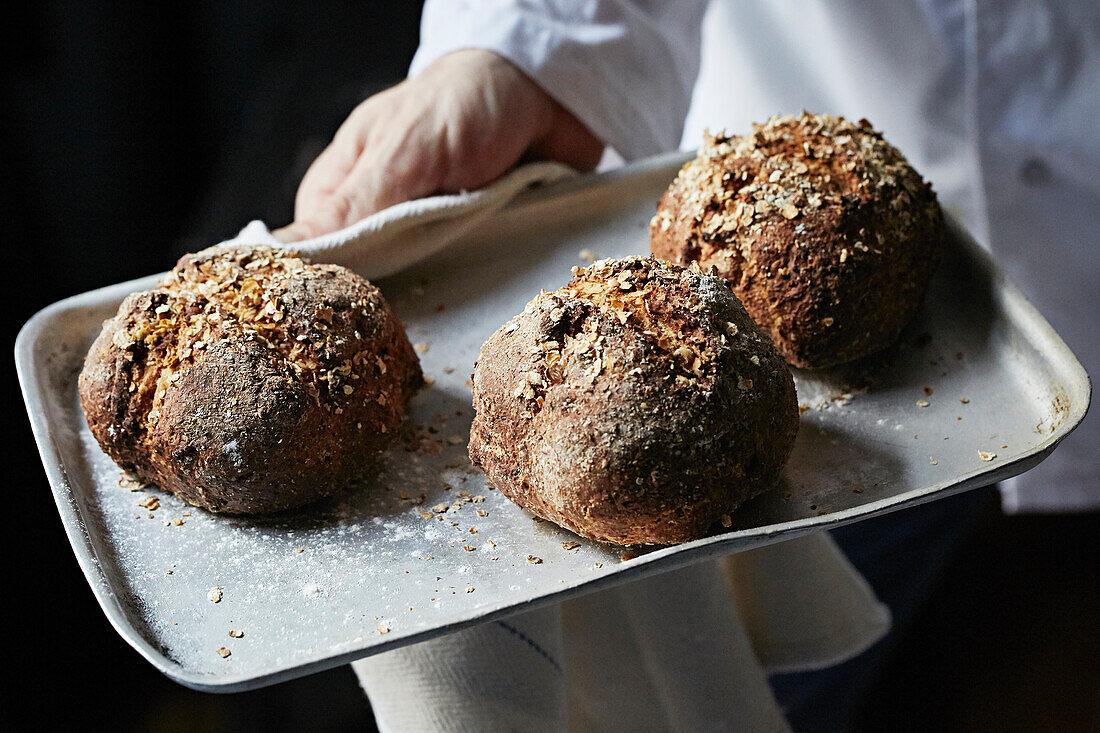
pixel 377 568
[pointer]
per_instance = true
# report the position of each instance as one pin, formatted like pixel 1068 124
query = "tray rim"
pixel 80 538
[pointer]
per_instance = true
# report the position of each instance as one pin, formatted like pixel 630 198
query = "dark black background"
pixel 136 132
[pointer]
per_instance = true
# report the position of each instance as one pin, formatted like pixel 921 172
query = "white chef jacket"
pixel 996 102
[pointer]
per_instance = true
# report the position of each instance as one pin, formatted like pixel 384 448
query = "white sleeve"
pixel 625 68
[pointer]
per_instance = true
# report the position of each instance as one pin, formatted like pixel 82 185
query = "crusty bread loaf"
pixel 826 233
pixel 636 405
pixel 249 381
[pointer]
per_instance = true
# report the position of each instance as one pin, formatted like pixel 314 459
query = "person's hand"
pixel 461 123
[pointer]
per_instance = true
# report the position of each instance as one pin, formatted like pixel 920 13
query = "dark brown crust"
pixel 825 232
pixel 249 381
pixel 634 411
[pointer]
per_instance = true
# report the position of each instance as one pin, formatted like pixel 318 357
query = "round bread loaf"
pixel 639 404
pixel 826 233
pixel 249 381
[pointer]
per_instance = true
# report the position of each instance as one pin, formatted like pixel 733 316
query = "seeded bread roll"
pixel 249 381
pixel 826 233
pixel 636 405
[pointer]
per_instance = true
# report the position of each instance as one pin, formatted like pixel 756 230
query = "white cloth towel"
pixel 406 233
pixel 685 650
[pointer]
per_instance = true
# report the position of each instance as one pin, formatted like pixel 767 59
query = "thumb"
pixel 569 141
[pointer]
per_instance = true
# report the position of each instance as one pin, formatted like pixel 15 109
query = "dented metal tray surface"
pixel 979 388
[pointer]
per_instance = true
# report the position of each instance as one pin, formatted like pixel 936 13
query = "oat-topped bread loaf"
pixel 249 381
pixel 826 233
pixel 639 404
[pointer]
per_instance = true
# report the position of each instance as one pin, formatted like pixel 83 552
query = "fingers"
pixel 393 169
pixel 325 174
pixel 334 163
pixel 460 124
pixel 316 206
pixel 328 218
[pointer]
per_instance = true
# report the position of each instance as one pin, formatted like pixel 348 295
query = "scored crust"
pixel 249 381
pixel 636 405
pixel 825 232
